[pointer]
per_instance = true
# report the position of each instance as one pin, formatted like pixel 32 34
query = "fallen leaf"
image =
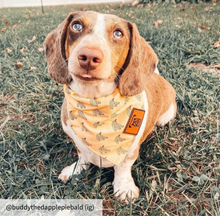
pixel 199 30
pixel 28 22
pixel 15 26
pixel 204 67
pixel 178 26
pixel 214 1
pixel 217 44
pixel 158 22
pixel 183 9
pixel 135 2
pixel 208 8
pixel 23 50
pixel 191 51
pixel 178 5
pixel 2 19
pixel 85 9
pixel 32 68
pixel 192 6
pixel 7 23
pixel 4 29
pixel 9 50
pixel 40 49
pixel 194 23
pixel 216 66
pixel 204 26
pixel 33 39
pixel 19 64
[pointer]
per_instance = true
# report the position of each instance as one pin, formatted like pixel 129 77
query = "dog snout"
pixel 90 59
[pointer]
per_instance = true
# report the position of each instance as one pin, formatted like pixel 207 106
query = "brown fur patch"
pixel 140 65
pixel 119 47
pixel 54 46
pixel 160 96
pixel 87 21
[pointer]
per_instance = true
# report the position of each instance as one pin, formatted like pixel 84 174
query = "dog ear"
pixel 54 47
pixel 140 64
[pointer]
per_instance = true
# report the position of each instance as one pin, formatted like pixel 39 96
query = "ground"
pixel 178 169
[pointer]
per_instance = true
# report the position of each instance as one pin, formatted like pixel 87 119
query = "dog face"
pixel 96 47
pixel 99 48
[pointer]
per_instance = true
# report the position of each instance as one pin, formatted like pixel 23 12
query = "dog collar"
pixel 107 125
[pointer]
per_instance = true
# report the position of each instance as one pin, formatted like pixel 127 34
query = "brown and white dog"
pixel 94 54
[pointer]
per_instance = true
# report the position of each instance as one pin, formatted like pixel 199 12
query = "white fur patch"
pixel 167 116
pixel 157 71
pixel 100 27
pixel 102 89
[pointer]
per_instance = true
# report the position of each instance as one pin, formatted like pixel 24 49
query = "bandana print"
pixel 100 122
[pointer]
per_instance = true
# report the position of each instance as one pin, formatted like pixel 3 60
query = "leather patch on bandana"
pixel 134 121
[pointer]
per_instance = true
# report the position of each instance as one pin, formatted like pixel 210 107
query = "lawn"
pixel 178 170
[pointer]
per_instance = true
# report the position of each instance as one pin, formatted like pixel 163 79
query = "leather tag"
pixel 134 121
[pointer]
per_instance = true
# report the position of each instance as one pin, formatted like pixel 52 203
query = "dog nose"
pixel 90 59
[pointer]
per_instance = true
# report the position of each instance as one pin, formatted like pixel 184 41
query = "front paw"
pixel 68 171
pixel 125 189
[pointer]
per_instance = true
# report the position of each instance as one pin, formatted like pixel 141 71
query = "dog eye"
pixel 77 27
pixel 117 34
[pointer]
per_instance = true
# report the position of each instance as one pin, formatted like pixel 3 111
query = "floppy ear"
pixel 140 64
pixel 54 47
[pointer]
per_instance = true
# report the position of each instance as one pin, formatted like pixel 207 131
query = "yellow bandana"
pixel 102 124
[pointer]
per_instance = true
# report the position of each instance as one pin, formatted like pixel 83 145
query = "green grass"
pixel 178 169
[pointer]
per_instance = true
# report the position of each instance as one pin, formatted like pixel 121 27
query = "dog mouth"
pixel 87 77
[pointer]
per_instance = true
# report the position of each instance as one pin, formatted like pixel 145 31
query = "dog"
pixel 114 95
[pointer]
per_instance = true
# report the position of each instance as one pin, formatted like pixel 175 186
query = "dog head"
pixel 89 48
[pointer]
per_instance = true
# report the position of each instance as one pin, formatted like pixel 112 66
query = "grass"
pixel 178 169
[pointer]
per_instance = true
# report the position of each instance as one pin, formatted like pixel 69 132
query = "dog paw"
pixel 68 171
pixel 126 190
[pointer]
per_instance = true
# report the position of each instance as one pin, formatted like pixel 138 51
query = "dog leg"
pixel 73 169
pixel 123 183
pixel 167 116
